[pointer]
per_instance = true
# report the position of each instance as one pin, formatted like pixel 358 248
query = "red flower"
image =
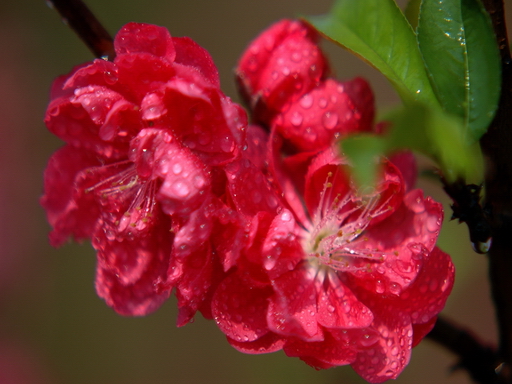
pixel 330 273
pixel 336 275
pixel 283 77
pixel 144 135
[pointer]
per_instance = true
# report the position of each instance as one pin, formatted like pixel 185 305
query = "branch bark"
pixel 76 14
pixel 479 360
pixel 496 145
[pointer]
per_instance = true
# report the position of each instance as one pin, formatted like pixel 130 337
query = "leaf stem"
pixel 78 16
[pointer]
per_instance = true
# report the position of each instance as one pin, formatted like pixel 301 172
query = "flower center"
pixel 336 237
pixel 129 200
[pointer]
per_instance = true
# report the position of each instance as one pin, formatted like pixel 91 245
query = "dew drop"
pixel 227 145
pixel 310 135
pixel 379 286
pixel 177 168
pixel 296 119
pixel 306 101
pixel 330 120
pixel 417 206
pixel 286 216
pixel 432 224
pixel 181 189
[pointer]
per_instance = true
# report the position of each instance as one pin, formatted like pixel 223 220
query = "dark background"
pixel 53 327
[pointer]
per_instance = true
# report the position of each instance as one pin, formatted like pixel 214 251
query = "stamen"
pixel 335 235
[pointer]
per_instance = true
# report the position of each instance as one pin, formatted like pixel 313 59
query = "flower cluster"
pixel 258 226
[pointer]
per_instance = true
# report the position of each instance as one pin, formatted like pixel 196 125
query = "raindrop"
pixel 330 120
pixel 286 216
pixel 296 119
pixel 177 168
pixel 310 135
pixel 306 101
pixel 181 189
pixel 379 286
pixel 432 224
pixel 227 145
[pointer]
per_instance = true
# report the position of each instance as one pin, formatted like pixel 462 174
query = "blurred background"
pixel 53 327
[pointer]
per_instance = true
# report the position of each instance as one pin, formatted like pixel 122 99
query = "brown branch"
pixel 496 144
pixel 76 14
pixel 479 360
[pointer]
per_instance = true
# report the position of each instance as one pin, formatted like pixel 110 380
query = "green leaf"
pixel 422 128
pixel 377 31
pixel 363 152
pixel 462 58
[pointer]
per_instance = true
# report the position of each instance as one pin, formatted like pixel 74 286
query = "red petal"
pixel 188 52
pixel 326 113
pixel 144 38
pixel 321 354
pixel 293 307
pixel 132 291
pixel 406 163
pixel 387 358
pixel 414 229
pixel 69 209
pixel 266 344
pixel 239 309
pixel 194 283
pixel 280 65
pixel 427 296
pixel 338 307
pixel 422 330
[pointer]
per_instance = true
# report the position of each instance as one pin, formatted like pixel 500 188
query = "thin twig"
pixel 479 360
pixel 78 16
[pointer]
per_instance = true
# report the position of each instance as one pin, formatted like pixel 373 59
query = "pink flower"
pixel 336 275
pixel 147 139
pixel 330 273
pixel 283 76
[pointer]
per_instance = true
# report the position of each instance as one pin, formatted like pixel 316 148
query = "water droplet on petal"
pixel 330 120
pixel 379 286
pixel 306 101
pixel 177 168
pixel 432 224
pixel 417 206
pixel 296 119
pixel 310 135
pixel 181 189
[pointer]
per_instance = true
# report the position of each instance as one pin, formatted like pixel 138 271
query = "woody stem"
pixel 78 16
